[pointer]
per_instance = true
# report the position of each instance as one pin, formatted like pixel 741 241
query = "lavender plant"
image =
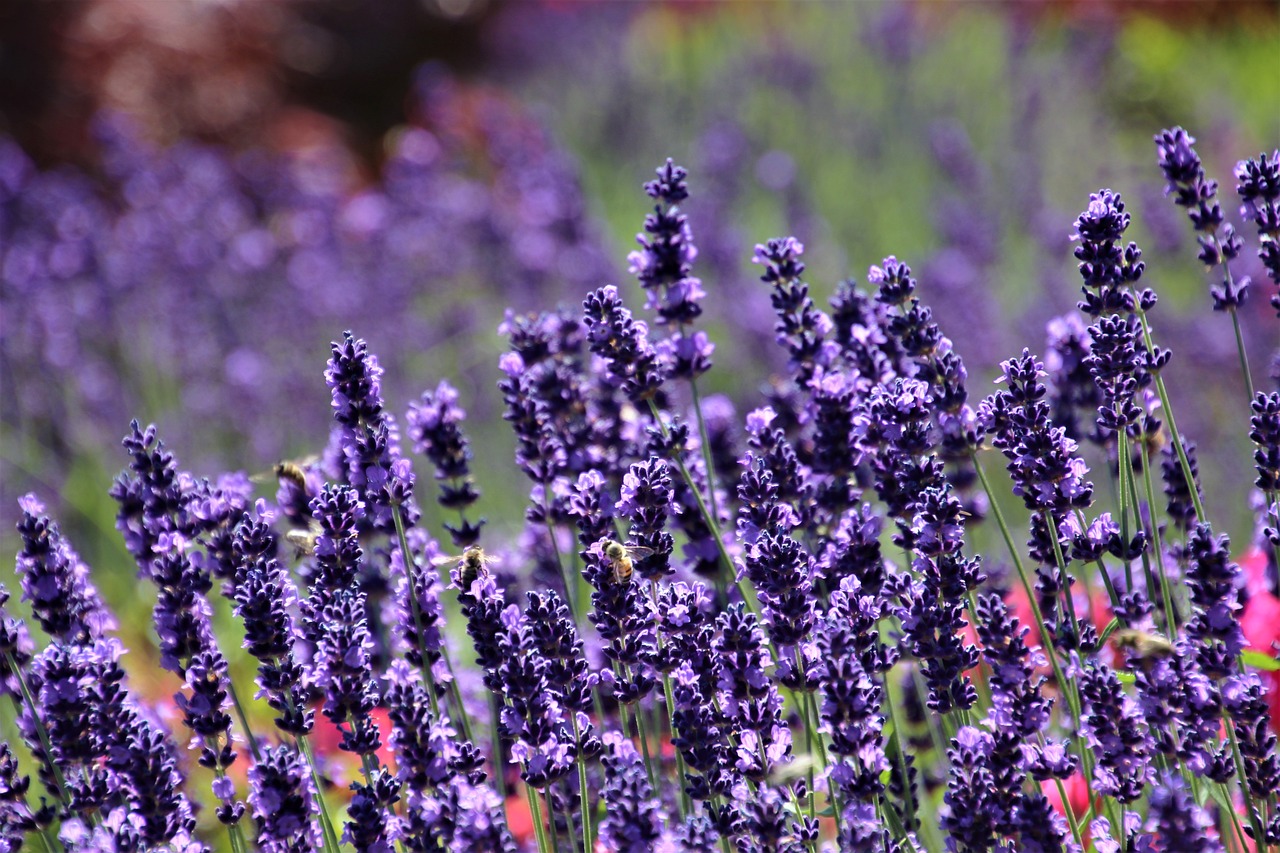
pixel 839 669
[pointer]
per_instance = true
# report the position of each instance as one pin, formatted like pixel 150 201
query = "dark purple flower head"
pixel 204 708
pixel 1258 185
pixel 182 613
pixel 1186 181
pixel 371 817
pixel 633 820
pixel 369 442
pixel 435 427
pixel 1073 394
pixel 665 260
pixel 284 803
pixel 1107 268
pixel 646 500
pixel 55 582
pixel 1265 434
pixel 1113 727
pixel 342 671
pixel 801 326
pixel 1215 584
pixel 972 814
pixel 751 703
pixel 624 343
pixel 1180 824
pixel 265 597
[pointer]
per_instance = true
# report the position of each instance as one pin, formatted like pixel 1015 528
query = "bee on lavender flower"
pixel 620 557
pixel 294 470
pixel 303 539
pixel 1141 645
pixel 472 564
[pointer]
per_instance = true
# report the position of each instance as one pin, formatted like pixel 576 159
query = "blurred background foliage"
pixel 416 166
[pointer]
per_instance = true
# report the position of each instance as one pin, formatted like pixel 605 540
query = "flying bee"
pixel 290 470
pixel 1142 646
pixel 472 565
pixel 303 539
pixel 620 557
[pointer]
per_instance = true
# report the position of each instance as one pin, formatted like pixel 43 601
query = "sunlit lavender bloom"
pixel 1074 395
pixel 1113 727
pixel 555 637
pixel 971 817
pixel 632 822
pixel 623 616
pixel 781 572
pixel 1018 705
pixel 424 552
pixel 646 500
pixel 534 719
pixel 284 803
pixel 370 447
pixel 751 701
pixel 15 646
pixel 151 500
pixel 1214 583
pixel 1258 184
pixel 55 582
pixel 435 427
pixel 850 671
pixel 801 326
pixel 370 816
pixel 1107 268
pixel 1120 368
pixel 624 343
pixel 265 596
pixel 1187 183
pixel 16 817
pixel 1246 704
pixel 1180 824
pixel 341 669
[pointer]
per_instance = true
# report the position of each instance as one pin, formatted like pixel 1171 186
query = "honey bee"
pixel 303 539
pixel 290 470
pixel 473 564
pixel 1141 645
pixel 620 557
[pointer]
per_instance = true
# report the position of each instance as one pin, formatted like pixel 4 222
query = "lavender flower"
pixel 647 501
pixel 341 669
pixel 972 816
pixel 801 327
pixel 751 702
pixel 435 428
pixel 265 597
pixel 1113 727
pixel 55 582
pixel 370 448
pixel 1177 821
pixel 1108 269
pixel 284 803
pixel 632 822
pixel 1258 185
pixel 623 343
pixel 1190 188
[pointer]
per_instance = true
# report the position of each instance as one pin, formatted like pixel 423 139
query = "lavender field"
pixel 574 427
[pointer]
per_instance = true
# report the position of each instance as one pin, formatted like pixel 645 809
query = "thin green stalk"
pixel 706 446
pixel 41 731
pixel 1173 425
pixel 587 832
pixel 326 821
pixel 571 583
pixel 244 720
pixel 551 821
pixel 1165 593
pixel 1122 495
pixel 895 740
pixel 535 810
pixel 498 763
pixel 1240 776
pixel 713 524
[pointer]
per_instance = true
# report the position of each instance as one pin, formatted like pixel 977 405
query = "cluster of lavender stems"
pixel 772 638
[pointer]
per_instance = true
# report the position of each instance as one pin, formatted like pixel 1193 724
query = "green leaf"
pixel 1260 660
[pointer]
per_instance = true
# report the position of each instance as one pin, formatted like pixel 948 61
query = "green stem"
pixel 1173 426
pixel 896 740
pixel 535 810
pixel 1171 615
pixel 244 720
pixel 496 760
pixel 587 833
pixel 41 731
pixel 326 822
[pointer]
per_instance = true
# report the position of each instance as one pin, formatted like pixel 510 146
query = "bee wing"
pixel 446 560
pixel 639 551
pixel 490 560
